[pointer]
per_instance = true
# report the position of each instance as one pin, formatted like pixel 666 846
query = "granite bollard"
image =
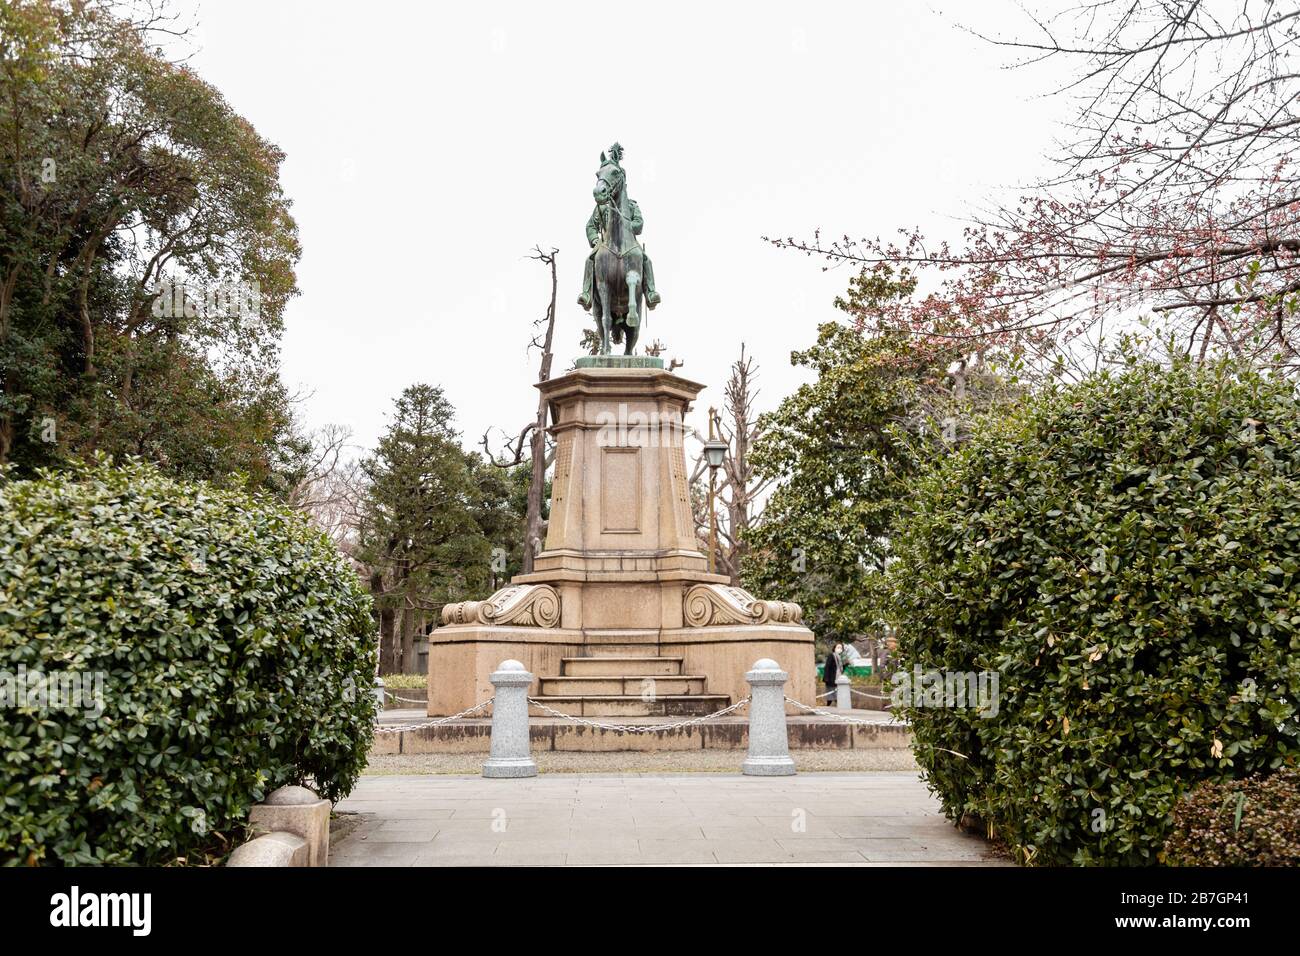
pixel 509 754
pixel 769 747
pixel 843 692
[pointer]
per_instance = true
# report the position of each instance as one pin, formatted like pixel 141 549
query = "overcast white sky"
pixel 430 146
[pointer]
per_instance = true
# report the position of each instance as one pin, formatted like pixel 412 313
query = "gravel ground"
pixel 669 761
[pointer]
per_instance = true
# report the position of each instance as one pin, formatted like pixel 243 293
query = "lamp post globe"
pixel 715 449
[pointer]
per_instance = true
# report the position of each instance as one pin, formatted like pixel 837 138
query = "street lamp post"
pixel 715 449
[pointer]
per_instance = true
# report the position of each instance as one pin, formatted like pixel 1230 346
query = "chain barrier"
pixel 402 728
pixel 858 720
pixel 637 728
pixel 859 693
pixel 404 700
pixel 827 713
pixel 863 693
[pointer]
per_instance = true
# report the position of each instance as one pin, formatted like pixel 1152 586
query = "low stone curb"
pixel 474 736
pixel 292 827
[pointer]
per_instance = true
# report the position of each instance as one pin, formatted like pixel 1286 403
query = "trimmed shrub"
pixel 231 647
pixel 1253 822
pixel 1124 554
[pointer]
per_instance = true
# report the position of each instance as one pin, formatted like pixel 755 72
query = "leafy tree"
pixel 843 449
pixel 437 523
pixel 842 462
pixel 499 511
pixel 146 253
pixel 417 526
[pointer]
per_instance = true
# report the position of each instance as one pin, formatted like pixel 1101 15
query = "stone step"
pixel 620 666
pixel 693 705
pixel 622 649
pixel 623 685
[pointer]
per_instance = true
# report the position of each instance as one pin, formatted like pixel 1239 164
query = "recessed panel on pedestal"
pixel 620 490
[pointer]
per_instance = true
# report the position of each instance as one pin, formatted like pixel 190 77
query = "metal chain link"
pixel 863 693
pixel 404 700
pixel 876 723
pixel 860 693
pixel 637 728
pixel 402 728
pixel 827 713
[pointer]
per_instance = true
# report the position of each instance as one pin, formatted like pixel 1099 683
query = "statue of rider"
pixel 596 226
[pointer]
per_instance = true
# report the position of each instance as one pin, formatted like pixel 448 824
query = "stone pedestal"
pixel 621 576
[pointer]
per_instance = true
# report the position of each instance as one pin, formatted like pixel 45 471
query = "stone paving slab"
pixel 860 819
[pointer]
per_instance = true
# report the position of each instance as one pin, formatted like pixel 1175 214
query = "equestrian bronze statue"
pixel 619 278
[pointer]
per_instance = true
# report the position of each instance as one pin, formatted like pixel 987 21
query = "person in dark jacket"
pixel 831 669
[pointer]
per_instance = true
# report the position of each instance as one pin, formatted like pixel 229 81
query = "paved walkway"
pixel 863 819
pixel 658 762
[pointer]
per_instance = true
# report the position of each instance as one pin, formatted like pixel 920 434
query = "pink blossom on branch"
pixel 1177 203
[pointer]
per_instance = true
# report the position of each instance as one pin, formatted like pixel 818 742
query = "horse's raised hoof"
pixel 584 300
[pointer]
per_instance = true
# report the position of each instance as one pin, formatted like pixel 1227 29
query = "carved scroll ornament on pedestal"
pixel 519 605
pixel 712 604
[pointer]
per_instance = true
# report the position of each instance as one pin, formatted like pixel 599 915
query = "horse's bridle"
pixel 622 181
pixel 622 184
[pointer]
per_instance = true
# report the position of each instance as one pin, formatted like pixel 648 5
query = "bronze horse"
pixel 619 263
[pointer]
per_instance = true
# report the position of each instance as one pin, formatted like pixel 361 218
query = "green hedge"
pixel 1253 822
pixel 1124 554
pixel 234 646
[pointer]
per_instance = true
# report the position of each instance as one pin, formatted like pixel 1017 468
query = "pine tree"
pixel 420 535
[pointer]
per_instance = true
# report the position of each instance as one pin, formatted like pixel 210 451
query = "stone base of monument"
pixel 674 672
pixel 620 618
